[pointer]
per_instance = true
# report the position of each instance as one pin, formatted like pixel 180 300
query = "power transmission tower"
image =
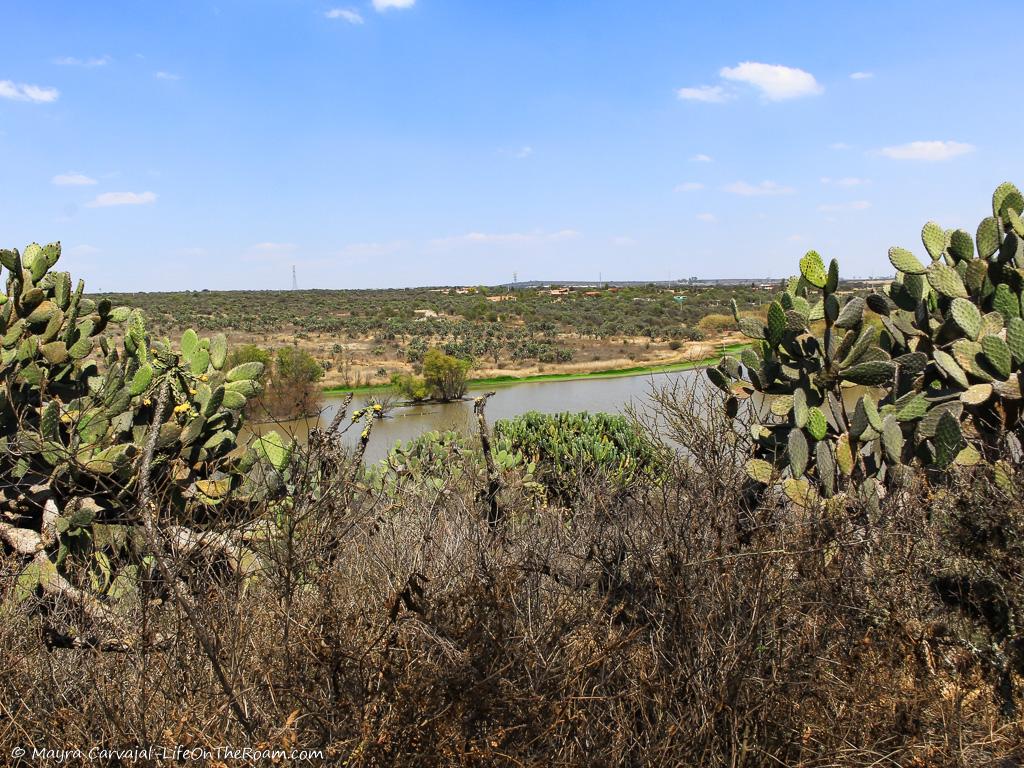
pixel 295 280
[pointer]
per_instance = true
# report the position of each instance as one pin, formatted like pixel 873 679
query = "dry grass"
pixel 684 625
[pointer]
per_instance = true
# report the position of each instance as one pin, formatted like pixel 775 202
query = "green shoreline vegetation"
pixel 611 373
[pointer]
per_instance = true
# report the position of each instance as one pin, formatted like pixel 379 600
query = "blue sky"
pixel 373 143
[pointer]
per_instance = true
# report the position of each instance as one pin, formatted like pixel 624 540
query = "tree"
pixel 445 375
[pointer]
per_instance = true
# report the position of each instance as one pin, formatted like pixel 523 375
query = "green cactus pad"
pixel 1015 221
pixel 799 452
pixel 751 328
pixel 998 355
pixel 912 408
pixel 904 261
pixel 852 313
pixel 812 269
pixel 776 327
pixel 870 374
pixel 967 317
pixel 934 239
pixel 141 380
pixel 274 449
pixel 1006 302
pixel 1015 339
pixel 817 424
pixel 1007 196
pixel 975 274
pixel 844 455
pixel 988 237
pixel 950 368
pixel 245 371
pixel 718 378
pixel 949 440
pixel 946 280
pixel 961 246
pixel 892 439
pixel 800 408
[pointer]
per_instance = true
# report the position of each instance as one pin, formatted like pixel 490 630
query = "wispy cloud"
pixel 764 189
pixel 846 181
pixel 350 15
pixel 523 152
pixel 929 151
pixel 839 145
pixel 25 92
pixel 72 179
pixel 862 75
pixel 109 199
pixel 508 237
pixel 271 247
pixel 776 82
pixel 710 94
pixel 702 159
pixel 382 5
pixel 855 205
pixel 71 61
pixel 161 75
pixel 689 186
pixel 708 217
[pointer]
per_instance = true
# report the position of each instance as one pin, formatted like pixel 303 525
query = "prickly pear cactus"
pixel 939 353
pixel 79 388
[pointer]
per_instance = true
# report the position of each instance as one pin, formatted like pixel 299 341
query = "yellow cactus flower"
pixel 377 407
pixel 204 377
pixel 366 434
pixel 183 408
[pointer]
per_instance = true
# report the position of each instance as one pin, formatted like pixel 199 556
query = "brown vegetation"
pixel 685 623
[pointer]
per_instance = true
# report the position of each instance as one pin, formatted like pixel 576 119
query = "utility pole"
pixel 295 280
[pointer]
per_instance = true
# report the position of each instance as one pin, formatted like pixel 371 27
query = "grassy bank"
pixel 504 381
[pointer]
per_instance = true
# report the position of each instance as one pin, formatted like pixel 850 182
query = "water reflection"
pixel 610 395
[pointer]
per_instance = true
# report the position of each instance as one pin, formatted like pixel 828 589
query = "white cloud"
pixel 927 150
pixel 523 152
pixel 508 237
pixel 855 205
pixel 108 199
pixel 382 5
pixel 862 75
pixel 765 188
pixel 846 181
pixel 350 15
pixel 25 92
pixel 776 82
pixel 839 145
pixel 72 179
pixel 71 61
pixel 795 238
pixel 269 247
pixel 710 94
pixel 708 217
pixel 702 159
pixel 689 186
pixel 161 75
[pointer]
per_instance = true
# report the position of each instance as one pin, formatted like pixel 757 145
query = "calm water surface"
pixel 611 395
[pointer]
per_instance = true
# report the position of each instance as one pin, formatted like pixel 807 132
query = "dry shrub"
pixel 693 622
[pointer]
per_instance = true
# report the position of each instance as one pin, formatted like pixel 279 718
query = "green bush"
pixel 445 375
